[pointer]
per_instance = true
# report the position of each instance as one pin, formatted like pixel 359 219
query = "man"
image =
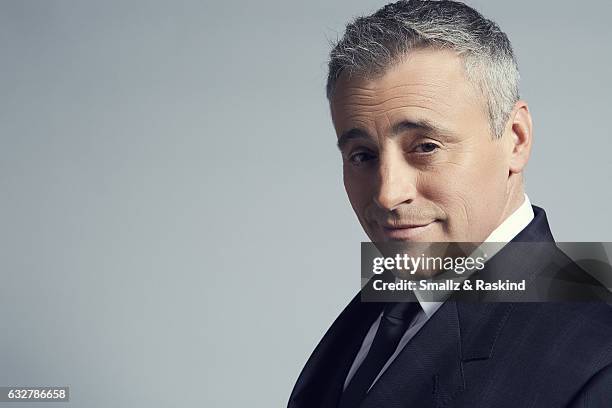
pixel 434 140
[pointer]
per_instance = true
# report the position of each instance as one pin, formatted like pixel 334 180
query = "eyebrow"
pixel 398 128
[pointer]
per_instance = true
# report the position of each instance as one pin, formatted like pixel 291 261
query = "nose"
pixel 396 181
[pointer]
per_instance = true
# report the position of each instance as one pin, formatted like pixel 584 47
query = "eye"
pixel 426 147
pixel 360 158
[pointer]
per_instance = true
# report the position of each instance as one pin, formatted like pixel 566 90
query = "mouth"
pixel 406 232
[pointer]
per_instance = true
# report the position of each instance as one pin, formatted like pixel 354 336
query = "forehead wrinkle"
pixel 401 109
pixel 416 100
pixel 370 93
pixel 359 104
pixel 430 90
pixel 358 111
pixel 369 101
pixel 379 86
pixel 358 91
pixel 430 84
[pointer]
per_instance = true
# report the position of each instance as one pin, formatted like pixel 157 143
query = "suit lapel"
pixel 430 370
pixel 427 370
pixel 321 381
pixel 481 324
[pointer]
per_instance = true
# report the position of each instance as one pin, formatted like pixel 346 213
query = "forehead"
pixel 429 85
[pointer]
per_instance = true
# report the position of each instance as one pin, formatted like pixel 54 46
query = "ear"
pixel 519 137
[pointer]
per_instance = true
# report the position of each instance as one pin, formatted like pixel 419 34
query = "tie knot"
pixel 401 310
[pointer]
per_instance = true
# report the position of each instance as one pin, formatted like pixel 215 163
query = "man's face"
pixel 419 159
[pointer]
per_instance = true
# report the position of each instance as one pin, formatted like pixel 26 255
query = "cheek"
pixel 446 190
pixel 490 181
pixel 466 193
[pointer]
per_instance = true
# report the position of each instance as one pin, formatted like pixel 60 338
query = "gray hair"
pixel 373 43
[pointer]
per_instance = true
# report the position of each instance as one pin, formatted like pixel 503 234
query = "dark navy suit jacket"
pixel 471 354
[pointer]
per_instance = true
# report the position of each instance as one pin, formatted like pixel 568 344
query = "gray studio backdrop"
pixel 174 230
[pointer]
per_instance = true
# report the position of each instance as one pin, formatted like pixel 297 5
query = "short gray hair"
pixel 373 43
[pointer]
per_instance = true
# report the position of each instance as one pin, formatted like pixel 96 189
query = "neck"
pixel 516 196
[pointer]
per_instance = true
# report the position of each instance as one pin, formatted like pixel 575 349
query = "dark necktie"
pixel 395 321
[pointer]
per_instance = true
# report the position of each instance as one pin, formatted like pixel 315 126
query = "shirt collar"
pixel 515 223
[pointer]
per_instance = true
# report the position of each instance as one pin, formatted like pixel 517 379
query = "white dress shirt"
pixel 504 233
